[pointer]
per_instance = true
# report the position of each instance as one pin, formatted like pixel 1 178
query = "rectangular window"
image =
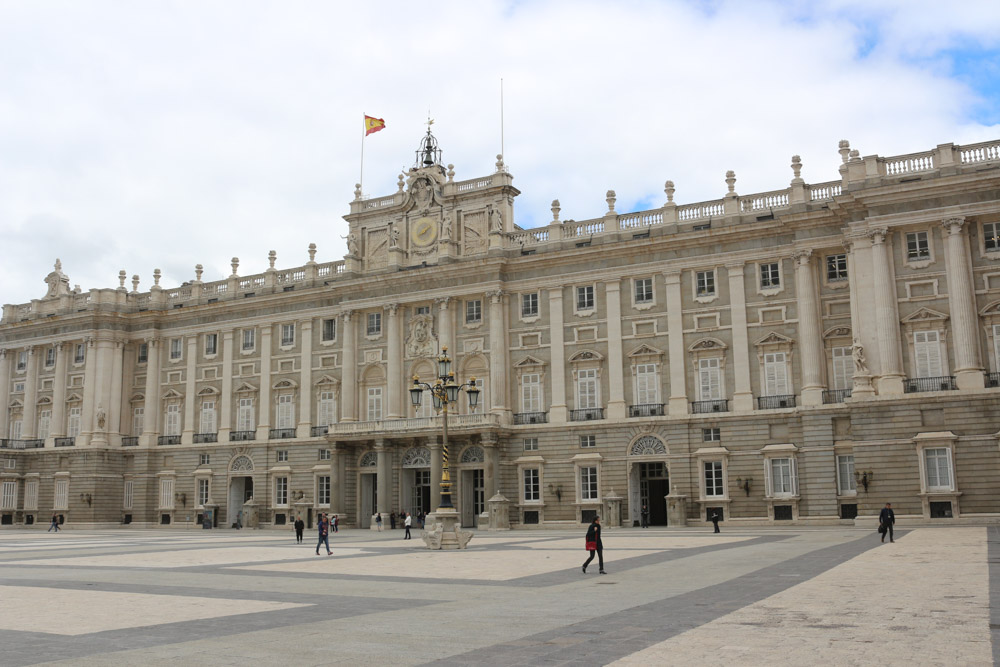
pixel 176 348
pixel 138 415
pixel 713 479
pixel 585 297
pixel 44 421
pixel 769 275
pixel 281 456
pixel 531 444
pixel 836 268
pixel 329 330
pixel 31 494
pixel 204 459
pixel 529 304
pixel 326 414
pixel 917 246
pixel 9 495
pixel 280 491
pixel 287 335
pixel 22 361
pixel 775 374
pixel 711 435
pixel 588 483
pixel 73 422
pixel 324 455
pixel 588 441
pixel 422 310
pixel 782 477
pixel 208 417
pixel 927 350
pixel 843 368
pixel 709 379
pixel 245 415
pixel 996 345
pixel 705 283
pixel 286 412
pixel 16 429
pixel 374 403
pixel 143 353
pixel 50 357
pixel 938 462
pixel 323 490
pixel 846 484
pixel 202 492
pixel 586 389
pixel 166 494
pixel 18 387
pixel 374 324
pixel 473 311
pixel 646 384
pixel 80 354
pixel 532 487
pixel 991 236
pixel 173 426
pixel 643 290
pixel 61 500
pixel 249 339
pixel 211 344
pixel 531 393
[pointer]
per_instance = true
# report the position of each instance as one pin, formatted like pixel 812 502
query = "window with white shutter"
pixel 938 464
pixel 127 495
pixel 44 421
pixel 281 491
pixel 167 494
pixel 73 422
pixel 245 416
pixel 249 339
pixel 782 477
pixel 846 484
pixel 586 389
pixel 709 379
pixel 327 412
pixel 532 488
pixel 61 501
pixel 31 494
pixel 588 483
pixel 927 351
pixel 323 490
pixel 173 424
pixel 202 492
pixel 9 495
pixel 713 479
pixel 15 429
pixel 286 411
pixel 208 417
pixel 646 384
pixel 531 393
pixel 775 374
pixel 374 403
pixel 843 368
pixel 138 420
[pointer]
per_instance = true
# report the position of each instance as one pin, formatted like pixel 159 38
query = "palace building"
pixel 802 355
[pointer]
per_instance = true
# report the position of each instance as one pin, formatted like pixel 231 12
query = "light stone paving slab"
pixel 75 612
pixel 901 604
pixel 184 557
pixel 651 542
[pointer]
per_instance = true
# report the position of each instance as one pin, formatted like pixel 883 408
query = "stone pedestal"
pixel 676 509
pixel 499 512
pixel 395 257
pixel 862 387
pixel 251 514
pixel 613 510
pixel 443 531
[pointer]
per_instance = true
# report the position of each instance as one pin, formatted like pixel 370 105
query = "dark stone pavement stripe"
pixel 993 558
pixel 605 639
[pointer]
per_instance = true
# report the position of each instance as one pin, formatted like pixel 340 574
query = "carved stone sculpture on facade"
pixel 420 342
pixel 496 221
pixel 858 352
pixel 101 417
pixel 57 281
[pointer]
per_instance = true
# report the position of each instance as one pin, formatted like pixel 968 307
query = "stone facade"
pixel 800 355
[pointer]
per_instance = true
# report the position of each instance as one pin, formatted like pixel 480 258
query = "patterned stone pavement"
pixel 764 596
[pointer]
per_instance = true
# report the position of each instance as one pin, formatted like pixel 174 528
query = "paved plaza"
pixel 792 596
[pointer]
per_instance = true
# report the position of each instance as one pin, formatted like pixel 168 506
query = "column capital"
pixel 953 224
pixel 31 349
pixel 802 256
pixel 348 315
pixel 495 296
pixel 735 266
pixel 3 353
pixel 391 308
pixel 442 302
pixel 613 285
pixel 877 235
pixel 555 292
pixel 672 277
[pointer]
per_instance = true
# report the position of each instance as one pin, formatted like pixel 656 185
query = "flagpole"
pixel 361 179
pixel 501 115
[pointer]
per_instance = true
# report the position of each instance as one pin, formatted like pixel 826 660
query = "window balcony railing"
pixel 993 379
pixel 317 431
pixel 205 437
pixel 775 402
pixel 586 414
pixel 22 444
pixel 168 440
pixel 704 407
pixel 942 383
pixel 281 433
pixel 521 418
pixel 239 436
pixel 130 441
pixel 65 442
pixel 646 410
pixel 836 395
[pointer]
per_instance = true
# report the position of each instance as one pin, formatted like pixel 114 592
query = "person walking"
pixel 378 521
pixel 324 535
pixel 406 523
pixel 594 544
pixel 886 519
pixel 54 524
pixel 645 516
pixel 300 526
pixel 336 523
pixel 715 521
pixel 392 521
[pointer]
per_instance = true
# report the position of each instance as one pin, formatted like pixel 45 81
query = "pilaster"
pixel 810 338
pixel 384 480
pixel 4 392
pixel 190 389
pixel 57 426
pixel 151 406
pixel 89 394
pixel 226 400
pixel 29 423
pixel 264 410
pixel 890 380
pixel 305 380
pixel 678 402
pixel 742 394
pixel 498 353
pixel 349 368
pixel 616 381
pixel 446 325
pixel 102 394
pixel 961 302
pixel 558 414
pixel 116 399
pixel 436 466
pixel 395 382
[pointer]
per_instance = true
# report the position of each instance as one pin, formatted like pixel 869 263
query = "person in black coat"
pixel 886 519
pixel 300 526
pixel 594 544
pixel 715 521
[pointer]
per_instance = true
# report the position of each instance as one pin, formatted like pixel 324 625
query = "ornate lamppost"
pixel 444 392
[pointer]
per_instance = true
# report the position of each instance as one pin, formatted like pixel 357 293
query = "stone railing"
pixel 412 424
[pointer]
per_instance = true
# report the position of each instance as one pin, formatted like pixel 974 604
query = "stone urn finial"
pixel 156 277
pixel 401 183
pixel 611 198
pixel 271 257
pixel 731 181
pixel 235 263
pixel 668 188
pixel 796 169
pixel 135 283
pixel 499 162
pixel 121 278
pixel 312 252
pixel 198 270
pixel 844 148
pixel 555 210
pixel 451 173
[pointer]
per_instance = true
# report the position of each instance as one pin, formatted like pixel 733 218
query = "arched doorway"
pixel 472 489
pixel 648 480
pixel 415 494
pixel 367 488
pixel 240 487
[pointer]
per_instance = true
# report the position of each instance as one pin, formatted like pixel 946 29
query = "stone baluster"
pixel 616 381
pixel 810 337
pixel 396 383
pixel 742 394
pixel 962 304
pixel 349 368
pixel 886 315
pixel 678 404
pixel 558 414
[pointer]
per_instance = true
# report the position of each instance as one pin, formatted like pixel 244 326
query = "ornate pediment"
pixel 284 384
pixel 44 400
pixel 16 404
pixel 246 388
pixel 707 344
pixel 991 309
pixel 529 362
pixel 586 355
pixel 774 338
pixel 417 457
pixel 208 391
pixel 645 351
pixel 137 398
pixel 327 380
pixel 924 315
pixel 172 394
pixel 837 332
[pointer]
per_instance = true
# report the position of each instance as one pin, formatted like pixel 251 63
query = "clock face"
pixel 423 232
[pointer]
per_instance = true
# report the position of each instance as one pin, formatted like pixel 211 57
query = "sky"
pixel 162 134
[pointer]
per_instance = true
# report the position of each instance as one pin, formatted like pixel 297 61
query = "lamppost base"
pixel 443 530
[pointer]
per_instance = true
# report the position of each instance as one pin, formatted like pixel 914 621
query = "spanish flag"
pixel 373 125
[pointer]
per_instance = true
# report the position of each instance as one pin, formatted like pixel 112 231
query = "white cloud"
pixel 169 134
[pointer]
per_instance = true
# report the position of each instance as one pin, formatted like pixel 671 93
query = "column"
pixel 89 394
pixel 349 369
pixel 5 357
pixel 498 353
pixel 29 424
pixel 810 338
pixel 890 380
pixel 961 302
pixel 115 409
pixel 305 381
pixel 151 405
pixel 492 465
pixel 678 402
pixel 742 394
pixel 395 382
pixel 57 425
pixel 384 479
pixel 190 390
pixel 863 331
pixel 264 394
pixel 436 463
pixel 558 414
pixel 102 394
pixel 446 325
pixel 226 400
pixel 616 382
pixel 337 479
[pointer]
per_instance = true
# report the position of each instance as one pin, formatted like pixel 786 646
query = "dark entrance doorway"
pixel 653 486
